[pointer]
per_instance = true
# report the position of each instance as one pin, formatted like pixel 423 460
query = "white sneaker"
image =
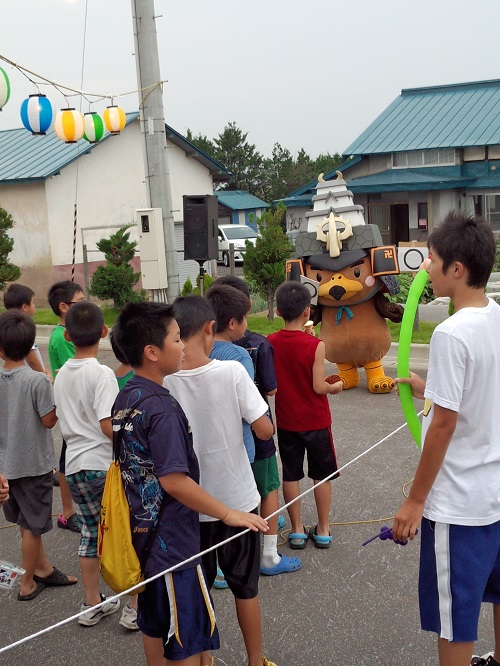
pixel 93 617
pixel 129 618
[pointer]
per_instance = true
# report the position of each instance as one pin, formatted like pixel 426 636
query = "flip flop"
pixel 28 597
pixel 281 522
pixel 285 565
pixel 318 540
pixel 298 540
pixel 55 579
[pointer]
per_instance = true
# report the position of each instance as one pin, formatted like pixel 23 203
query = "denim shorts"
pixel 86 489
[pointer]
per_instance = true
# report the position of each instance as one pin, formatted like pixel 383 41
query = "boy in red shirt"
pixel 303 416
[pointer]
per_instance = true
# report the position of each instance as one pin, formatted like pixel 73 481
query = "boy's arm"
pixel 188 492
pixel 320 385
pixel 34 361
pixel 50 419
pixel 436 444
pixel 107 427
pixel 263 427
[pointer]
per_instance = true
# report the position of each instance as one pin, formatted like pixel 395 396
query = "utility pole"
pixel 153 129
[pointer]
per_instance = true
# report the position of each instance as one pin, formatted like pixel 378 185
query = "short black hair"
pixel 116 349
pixel 228 303
pixel 62 292
pixel 17 334
pixel 233 281
pixel 84 323
pixel 192 313
pixel 139 325
pixel 16 295
pixel 468 239
pixel 292 298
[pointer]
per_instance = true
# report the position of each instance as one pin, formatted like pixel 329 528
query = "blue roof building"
pixel 239 207
pixel 432 150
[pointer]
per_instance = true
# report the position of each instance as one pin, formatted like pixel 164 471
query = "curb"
pixel 418 353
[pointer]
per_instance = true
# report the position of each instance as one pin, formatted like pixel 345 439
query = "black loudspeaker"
pixel 200 227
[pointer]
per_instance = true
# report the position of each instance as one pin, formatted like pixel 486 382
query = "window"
pixel 421 158
pixel 492 210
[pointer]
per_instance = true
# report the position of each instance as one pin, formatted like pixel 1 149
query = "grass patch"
pixel 256 322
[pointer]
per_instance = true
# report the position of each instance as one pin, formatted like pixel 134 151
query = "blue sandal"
pixel 318 540
pixel 298 540
pixel 285 565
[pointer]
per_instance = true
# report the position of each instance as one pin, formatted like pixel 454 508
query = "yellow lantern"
pixel 114 119
pixel 69 125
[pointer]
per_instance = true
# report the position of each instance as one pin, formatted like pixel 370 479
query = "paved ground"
pixel 348 605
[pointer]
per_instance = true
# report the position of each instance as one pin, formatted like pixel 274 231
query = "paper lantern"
pixel 37 114
pixel 4 88
pixel 94 127
pixel 114 119
pixel 69 125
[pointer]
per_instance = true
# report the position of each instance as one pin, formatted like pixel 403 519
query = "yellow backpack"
pixel 120 566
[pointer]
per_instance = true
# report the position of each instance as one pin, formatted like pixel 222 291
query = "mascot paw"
pixel 380 385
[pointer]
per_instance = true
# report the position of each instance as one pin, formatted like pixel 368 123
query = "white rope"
pixel 194 557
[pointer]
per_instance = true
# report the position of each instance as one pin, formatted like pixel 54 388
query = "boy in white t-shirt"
pixel 215 395
pixel 456 491
pixel 85 392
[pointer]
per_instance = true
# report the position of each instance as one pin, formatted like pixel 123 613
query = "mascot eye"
pixel 319 277
pixel 357 272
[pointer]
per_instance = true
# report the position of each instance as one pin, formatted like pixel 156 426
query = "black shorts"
pixel 321 458
pixel 30 503
pixel 239 559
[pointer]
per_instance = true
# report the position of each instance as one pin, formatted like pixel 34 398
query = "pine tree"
pixel 116 280
pixel 9 272
pixel 264 264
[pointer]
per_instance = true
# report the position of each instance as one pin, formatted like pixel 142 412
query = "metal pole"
pixel 154 132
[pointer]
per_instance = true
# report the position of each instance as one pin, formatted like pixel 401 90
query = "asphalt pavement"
pixel 347 605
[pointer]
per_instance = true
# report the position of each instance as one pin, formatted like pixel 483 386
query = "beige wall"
pixel 108 185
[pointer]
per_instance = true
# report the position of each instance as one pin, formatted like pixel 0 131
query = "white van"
pixel 236 234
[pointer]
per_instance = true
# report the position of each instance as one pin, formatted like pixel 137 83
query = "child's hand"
pixel 417 384
pixel 335 383
pixel 4 489
pixel 241 519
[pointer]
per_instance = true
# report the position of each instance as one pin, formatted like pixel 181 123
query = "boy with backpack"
pixel 160 474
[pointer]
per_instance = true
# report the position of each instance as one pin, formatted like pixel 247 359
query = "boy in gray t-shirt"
pixel 27 457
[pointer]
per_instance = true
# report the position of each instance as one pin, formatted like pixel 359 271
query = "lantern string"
pixel 83 93
pixel 75 214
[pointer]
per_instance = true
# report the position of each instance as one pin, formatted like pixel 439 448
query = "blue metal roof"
pixel 239 200
pixel 470 175
pixel 25 158
pixel 449 116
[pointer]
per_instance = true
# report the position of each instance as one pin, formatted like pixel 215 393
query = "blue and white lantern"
pixel 37 114
pixel 4 88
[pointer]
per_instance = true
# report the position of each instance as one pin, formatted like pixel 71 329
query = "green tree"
pixel 9 272
pixel 264 264
pixel 116 280
pixel 240 158
pixel 202 142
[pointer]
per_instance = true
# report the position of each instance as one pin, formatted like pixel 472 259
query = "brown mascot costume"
pixel 345 262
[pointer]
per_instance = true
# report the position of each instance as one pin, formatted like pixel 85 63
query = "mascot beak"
pixel 339 288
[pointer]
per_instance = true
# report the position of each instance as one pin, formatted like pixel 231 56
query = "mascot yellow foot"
pixel 349 375
pixel 376 379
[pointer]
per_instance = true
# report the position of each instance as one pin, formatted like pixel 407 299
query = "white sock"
pixel 270 555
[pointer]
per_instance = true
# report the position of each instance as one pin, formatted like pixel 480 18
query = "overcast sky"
pixel 306 74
